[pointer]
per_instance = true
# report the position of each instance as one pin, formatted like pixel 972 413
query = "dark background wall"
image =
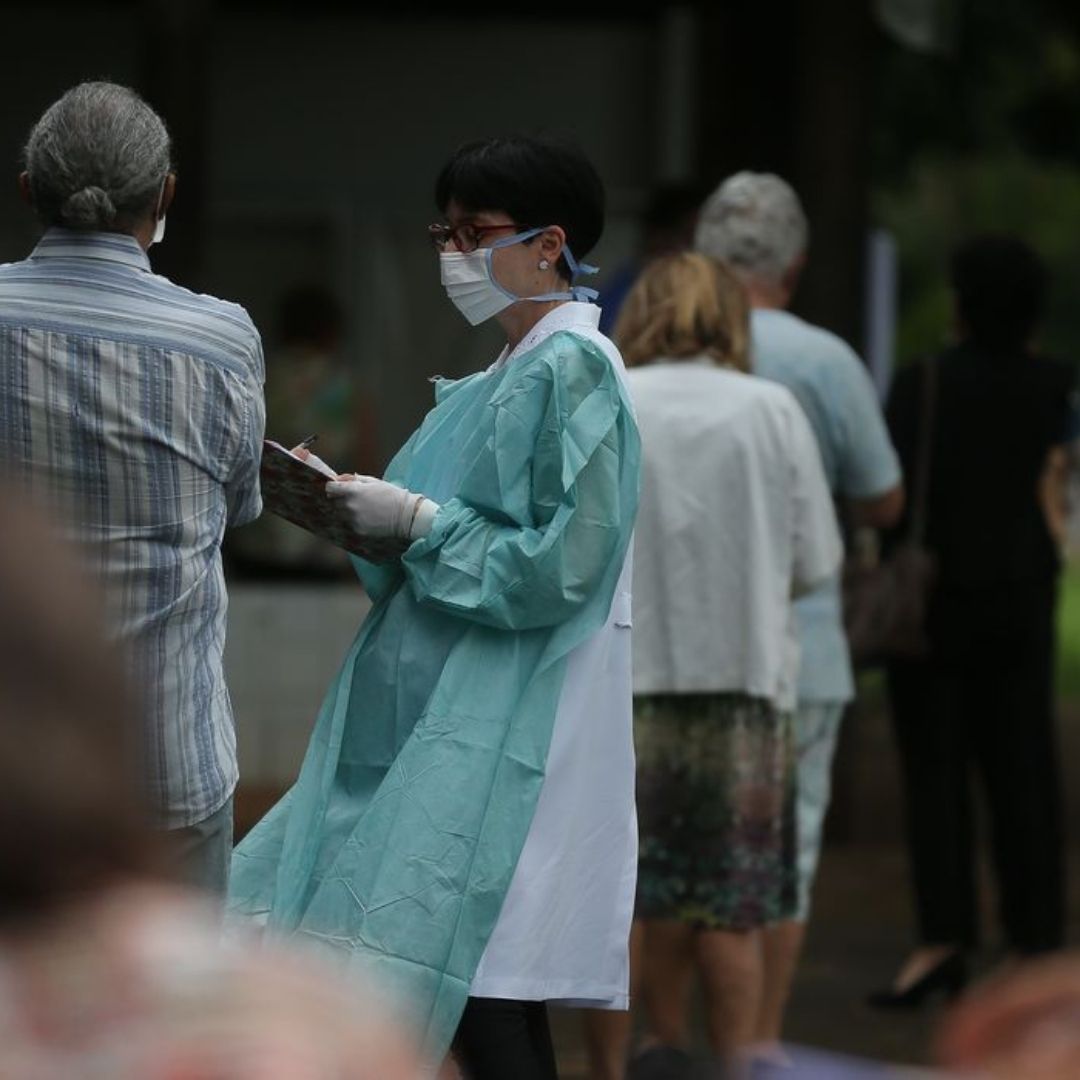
pixel 308 138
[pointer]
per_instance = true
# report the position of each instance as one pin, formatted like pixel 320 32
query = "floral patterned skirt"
pixel 716 810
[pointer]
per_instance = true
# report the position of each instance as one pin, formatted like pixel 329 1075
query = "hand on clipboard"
pixel 294 487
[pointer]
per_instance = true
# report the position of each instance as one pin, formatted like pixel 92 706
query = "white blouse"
pixel 735 519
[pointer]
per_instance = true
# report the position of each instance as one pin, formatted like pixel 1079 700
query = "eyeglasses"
pixel 466 236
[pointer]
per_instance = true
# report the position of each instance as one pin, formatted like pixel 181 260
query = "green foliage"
pixel 1007 79
pixel 1068 664
pixel 981 135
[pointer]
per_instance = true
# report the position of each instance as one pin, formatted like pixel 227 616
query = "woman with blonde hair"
pixel 686 306
pixel 735 520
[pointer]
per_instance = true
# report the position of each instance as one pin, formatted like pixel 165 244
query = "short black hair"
pixel 539 180
pixel 1000 285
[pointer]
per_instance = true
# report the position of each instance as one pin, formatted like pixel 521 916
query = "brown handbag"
pixel 886 599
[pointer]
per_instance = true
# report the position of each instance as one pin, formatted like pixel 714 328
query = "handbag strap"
pixel 917 533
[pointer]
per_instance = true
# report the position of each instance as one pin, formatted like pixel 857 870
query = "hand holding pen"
pixel 301 451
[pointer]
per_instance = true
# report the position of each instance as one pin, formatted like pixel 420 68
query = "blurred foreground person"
pixel 735 520
pixel 755 224
pixel 106 968
pixel 464 819
pixel 134 408
pixel 1018 1026
pixel 982 701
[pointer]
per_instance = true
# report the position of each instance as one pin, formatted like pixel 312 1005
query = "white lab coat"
pixel 563 932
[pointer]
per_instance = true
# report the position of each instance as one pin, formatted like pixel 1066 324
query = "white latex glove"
pixel 378 509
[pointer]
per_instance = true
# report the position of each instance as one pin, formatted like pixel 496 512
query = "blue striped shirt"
pixel 134 407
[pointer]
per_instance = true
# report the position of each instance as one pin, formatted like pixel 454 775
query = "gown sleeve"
pixel 534 558
pixel 379 580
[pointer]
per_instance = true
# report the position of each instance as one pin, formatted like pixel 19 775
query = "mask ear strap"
pixel 507 241
pixel 159 215
pixel 583 294
pixel 575 292
pixel 578 269
pixel 580 292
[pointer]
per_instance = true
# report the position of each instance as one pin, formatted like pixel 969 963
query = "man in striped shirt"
pixel 134 408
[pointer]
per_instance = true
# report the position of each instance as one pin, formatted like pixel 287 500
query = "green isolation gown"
pixel 399 839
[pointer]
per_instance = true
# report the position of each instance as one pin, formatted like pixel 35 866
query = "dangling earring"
pixel 544 264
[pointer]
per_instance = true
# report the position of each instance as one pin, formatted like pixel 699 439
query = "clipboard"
pixel 296 491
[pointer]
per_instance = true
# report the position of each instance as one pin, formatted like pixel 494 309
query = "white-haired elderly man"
pixel 134 409
pixel 755 224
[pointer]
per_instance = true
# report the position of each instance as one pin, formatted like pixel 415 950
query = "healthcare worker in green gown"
pixel 463 825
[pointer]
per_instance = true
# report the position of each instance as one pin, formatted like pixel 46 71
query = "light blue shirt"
pixel 134 408
pixel 836 393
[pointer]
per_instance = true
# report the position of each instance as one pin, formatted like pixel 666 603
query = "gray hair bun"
pixel 97 159
pixel 89 208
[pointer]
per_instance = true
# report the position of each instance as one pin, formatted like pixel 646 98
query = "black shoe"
pixel 949 977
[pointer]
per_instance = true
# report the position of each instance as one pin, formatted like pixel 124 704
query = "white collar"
pixel 573 315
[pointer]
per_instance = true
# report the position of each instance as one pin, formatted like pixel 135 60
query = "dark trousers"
pixel 499 1039
pixel 200 854
pixel 982 707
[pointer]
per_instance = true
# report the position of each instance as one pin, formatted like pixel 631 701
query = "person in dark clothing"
pixel 667 227
pixel 981 701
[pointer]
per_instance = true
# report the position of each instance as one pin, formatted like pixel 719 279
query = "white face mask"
pixel 159 225
pixel 467 279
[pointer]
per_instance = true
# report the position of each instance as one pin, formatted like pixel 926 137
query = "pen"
pixel 305 443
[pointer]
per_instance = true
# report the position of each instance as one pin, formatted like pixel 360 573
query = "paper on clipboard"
pixel 296 490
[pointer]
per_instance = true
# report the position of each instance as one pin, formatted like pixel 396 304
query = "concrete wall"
pixel 285 644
